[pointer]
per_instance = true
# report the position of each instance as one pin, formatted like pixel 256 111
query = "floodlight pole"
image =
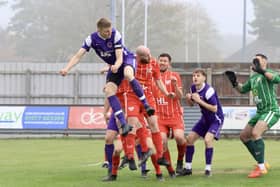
pixel 145 23
pixel 244 29
pixel 113 12
pixel 123 21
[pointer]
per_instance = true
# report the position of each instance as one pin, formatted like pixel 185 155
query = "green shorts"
pixel 269 117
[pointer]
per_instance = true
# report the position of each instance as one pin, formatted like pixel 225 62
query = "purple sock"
pixel 117 110
pixel 109 149
pixel 189 153
pixel 138 91
pixel 208 155
pixel 139 154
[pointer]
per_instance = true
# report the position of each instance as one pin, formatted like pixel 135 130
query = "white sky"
pixel 226 14
pixel 5 15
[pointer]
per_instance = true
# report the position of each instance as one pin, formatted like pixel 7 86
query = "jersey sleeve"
pixel 87 43
pixel 118 40
pixel 156 71
pixel 179 80
pixel 246 87
pixel 211 96
pixel 275 77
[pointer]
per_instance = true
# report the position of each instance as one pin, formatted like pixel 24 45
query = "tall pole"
pixel 123 21
pixel 244 29
pixel 113 12
pixel 197 36
pixel 145 23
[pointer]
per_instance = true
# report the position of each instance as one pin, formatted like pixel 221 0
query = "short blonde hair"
pixel 103 23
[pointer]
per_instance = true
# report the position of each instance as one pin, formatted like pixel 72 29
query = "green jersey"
pixel 264 91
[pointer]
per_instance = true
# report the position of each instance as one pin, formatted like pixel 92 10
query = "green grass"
pixel 77 163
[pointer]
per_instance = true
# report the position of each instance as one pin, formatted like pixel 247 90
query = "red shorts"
pixel 135 106
pixel 175 123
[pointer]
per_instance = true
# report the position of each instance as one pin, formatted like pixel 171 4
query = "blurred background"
pixel 190 30
pixel 38 37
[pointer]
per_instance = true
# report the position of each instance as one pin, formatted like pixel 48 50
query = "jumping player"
pixel 107 43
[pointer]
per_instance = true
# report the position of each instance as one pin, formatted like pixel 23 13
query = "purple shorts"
pixel 203 126
pixel 112 124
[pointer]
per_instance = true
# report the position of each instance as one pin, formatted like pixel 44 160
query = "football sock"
pixel 115 164
pixel 181 151
pixel 109 149
pixel 259 152
pixel 189 153
pixel 138 91
pixel 157 140
pixel 142 139
pixel 130 145
pixel 167 156
pixel 117 110
pixel 251 148
pixel 208 155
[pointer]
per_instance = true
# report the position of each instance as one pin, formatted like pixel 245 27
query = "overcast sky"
pixel 227 14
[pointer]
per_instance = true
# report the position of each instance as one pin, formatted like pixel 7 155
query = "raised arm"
pixel 73 61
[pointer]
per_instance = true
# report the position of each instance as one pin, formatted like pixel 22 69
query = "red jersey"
pixel 146 73
pixel 168 108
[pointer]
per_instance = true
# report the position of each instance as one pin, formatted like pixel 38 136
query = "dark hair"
pixel 103 23
pixel 165 55
pixel 261 55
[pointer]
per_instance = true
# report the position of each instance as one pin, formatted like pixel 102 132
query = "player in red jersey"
pixel 147 71
pixel 169 111
pixel 128 142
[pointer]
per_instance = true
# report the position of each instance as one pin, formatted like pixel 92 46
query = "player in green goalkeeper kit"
pixel 263 87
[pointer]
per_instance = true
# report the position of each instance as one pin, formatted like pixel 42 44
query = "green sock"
pixel 259 151
pixel 251 146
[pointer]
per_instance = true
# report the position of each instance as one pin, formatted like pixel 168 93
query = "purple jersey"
pixel 105 48
pixel 209 95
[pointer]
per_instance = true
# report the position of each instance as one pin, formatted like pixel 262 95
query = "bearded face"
pixel 144 59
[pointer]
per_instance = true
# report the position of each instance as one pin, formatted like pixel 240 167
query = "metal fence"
pixel 40 83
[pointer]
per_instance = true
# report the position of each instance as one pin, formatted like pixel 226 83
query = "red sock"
pixel 142 135
pixel 124 145
pixel 130 144
pixel 157 140
pixel 154 161
pixel 166 155
pixel 115 164
pixel 181 151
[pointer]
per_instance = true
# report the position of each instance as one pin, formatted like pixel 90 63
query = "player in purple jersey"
pixel 107 44
pixel 210 123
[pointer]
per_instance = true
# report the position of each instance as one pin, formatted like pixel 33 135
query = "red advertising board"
pixel 86 118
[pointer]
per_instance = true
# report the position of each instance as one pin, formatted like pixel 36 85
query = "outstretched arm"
pixel 73 61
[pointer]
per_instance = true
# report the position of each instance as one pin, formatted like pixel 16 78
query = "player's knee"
pixel 208 142
pixel 256 134
pixel 117 151
pixel 244 136
pixel 180 140
pixel 109 140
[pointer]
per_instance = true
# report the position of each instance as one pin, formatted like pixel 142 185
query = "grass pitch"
pixel 70 162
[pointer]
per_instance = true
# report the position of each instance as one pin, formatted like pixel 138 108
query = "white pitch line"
pixel 93 164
